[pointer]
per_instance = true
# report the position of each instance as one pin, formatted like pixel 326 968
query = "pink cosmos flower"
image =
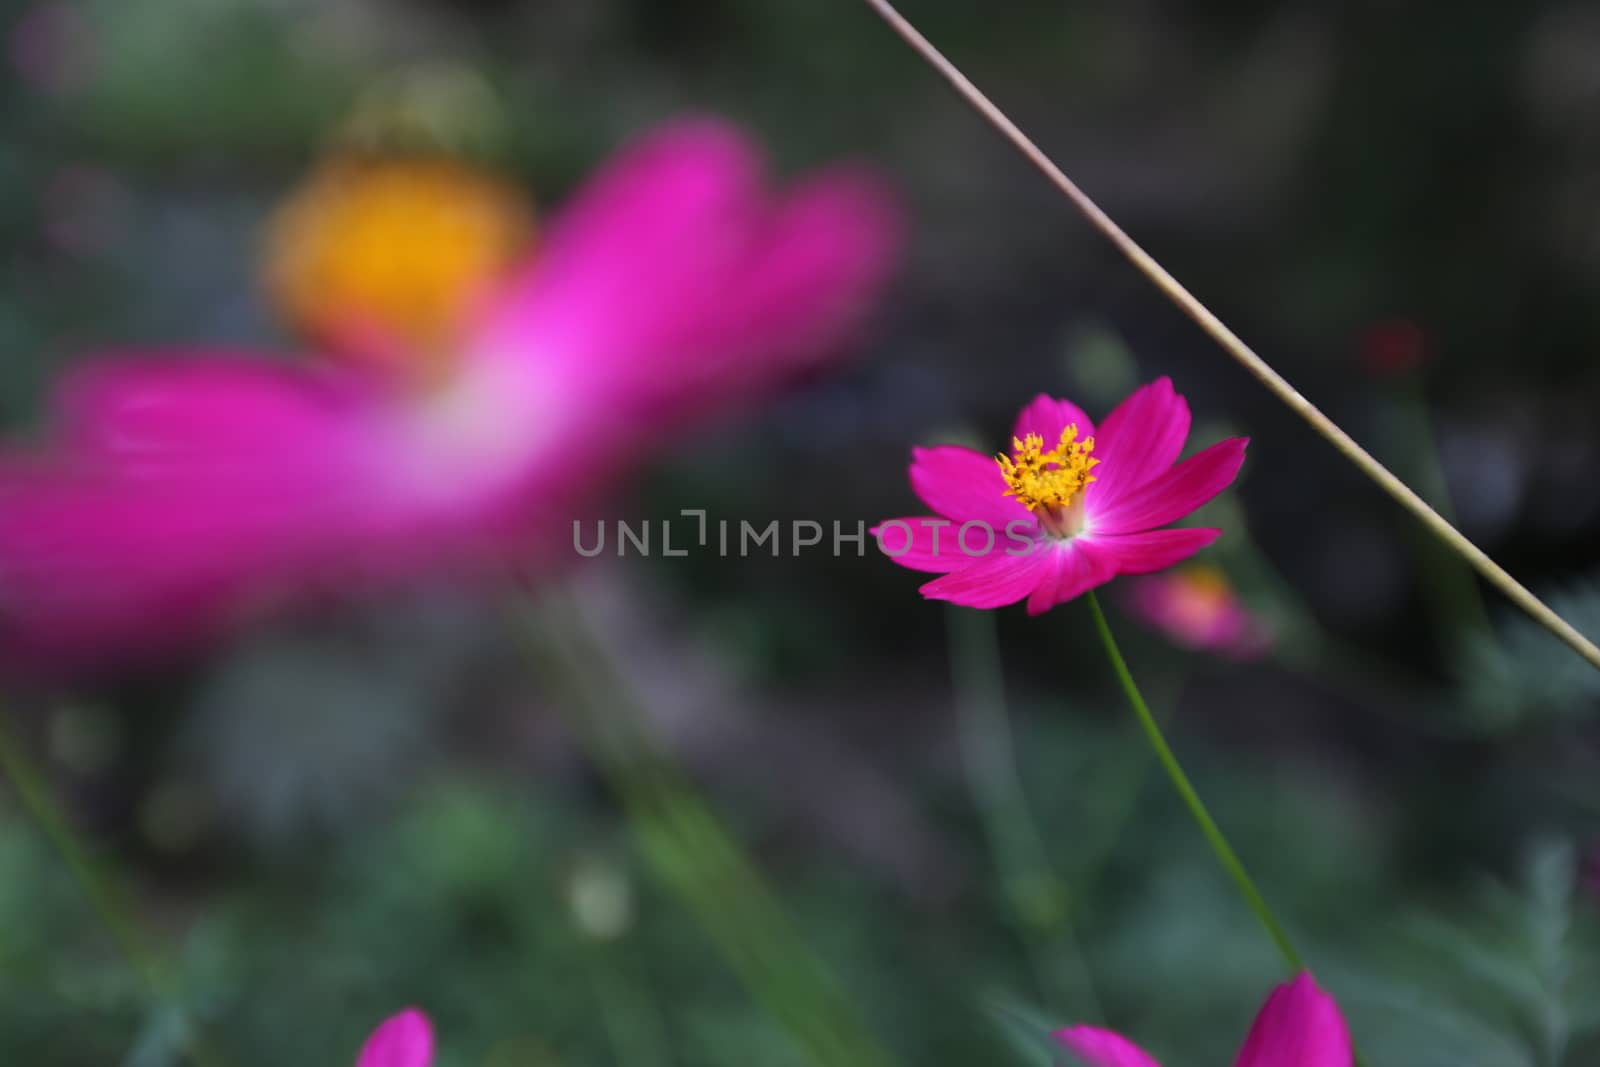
pixel 1069 509
pixel 404 1040
pixel 1300 1026
pixel 1197 608
pixel 182 492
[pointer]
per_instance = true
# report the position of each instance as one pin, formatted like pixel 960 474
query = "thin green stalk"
pixel 1234 345
pixel 698 859
pixel 1126 786
pixel 1180 781
pixel 1458 599
pixel 1191 798
pixel 1037 899
pixel 628 1011
pixel 34 794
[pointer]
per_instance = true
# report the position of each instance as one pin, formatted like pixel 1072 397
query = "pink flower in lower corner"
pixel 1299 1026
pixel 181 493
pixel 1197 608
pixel 1071 507
pixel 404 1040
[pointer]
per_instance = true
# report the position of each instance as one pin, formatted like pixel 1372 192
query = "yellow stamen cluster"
pixel 403 246
pixel 1047 481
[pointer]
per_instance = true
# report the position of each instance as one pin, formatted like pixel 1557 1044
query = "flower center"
pixel 1046 483
pixel 1201 595
pixel 378 257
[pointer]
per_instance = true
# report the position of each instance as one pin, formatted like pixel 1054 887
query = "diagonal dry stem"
pixel 1235 347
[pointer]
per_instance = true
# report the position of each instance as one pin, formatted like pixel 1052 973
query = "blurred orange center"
pixel 387 258
pixel 1200 594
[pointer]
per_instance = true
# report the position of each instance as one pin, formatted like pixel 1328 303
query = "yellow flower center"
pixel 1205 582
pixel 393 253
pixel 1047 482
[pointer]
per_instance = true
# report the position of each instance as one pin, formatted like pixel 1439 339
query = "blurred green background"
pixel 330 818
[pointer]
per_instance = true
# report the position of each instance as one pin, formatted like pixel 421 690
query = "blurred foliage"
pixel 1522 675
pixel 1512 979
pixel 522 917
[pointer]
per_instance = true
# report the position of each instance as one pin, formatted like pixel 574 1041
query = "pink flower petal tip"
pixel 1299 1026
pixel 1067 508
pixel 1102 1048
pixel 403 1040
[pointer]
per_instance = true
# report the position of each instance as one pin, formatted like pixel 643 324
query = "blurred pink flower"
pixel 1050 524
pixel 1197 608
pixel 1300 1026
pixel 404 1040
pixel 183 491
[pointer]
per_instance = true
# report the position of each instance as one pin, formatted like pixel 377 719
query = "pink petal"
pixel 406 1040
pixel 1102 1048
pixel 1047 417
pixel 829 246
pixel 688 176
pixel 1151 550
pixel 1137 441
pixel 1172 495
pixel 668 217
pixel 677 284
pixel 938 545
pixel 964 485
pixel 145 408
pixel 1074 569
pixel 1300 1026
pixel 994 581
pixel 194 495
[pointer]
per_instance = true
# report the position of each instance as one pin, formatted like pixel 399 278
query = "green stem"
pixel 34 794
pixel 698 859
pixel 1458 599
pixel 1122 793
pixel 1036 898
pixel 628 1011
pixel 1191 799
